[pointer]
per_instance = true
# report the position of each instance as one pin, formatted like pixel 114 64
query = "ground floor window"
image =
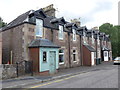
pixel 44 56
pixel 61 56
pixel 74 55
pixel 95 55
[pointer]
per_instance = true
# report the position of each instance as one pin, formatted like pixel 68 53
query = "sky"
pixel 92 13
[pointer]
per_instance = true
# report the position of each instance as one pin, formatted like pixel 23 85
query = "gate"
pixel 24 67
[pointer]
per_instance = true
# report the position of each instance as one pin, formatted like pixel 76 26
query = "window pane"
pixel 61 58
pixel 60 32
pixel 74 51
pixel 74 35
pixel 60 51
pixel 44 56
pixel 74 55
pixel 39 27
pixel 74 59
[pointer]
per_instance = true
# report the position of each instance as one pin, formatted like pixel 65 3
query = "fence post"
pixel 17 68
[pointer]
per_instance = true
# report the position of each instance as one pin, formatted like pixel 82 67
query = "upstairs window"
pixel 98 41
pixel 61 56
pixel 61 32
pixel 74 35
pixel 84 37
pixel 92 39
pixel 39 28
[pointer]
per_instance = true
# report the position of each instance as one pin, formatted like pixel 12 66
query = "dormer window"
pixel 39 28
pixel 60 32
pixel 84 37
pixel 92 39
pixel 74 35
pixel 98 41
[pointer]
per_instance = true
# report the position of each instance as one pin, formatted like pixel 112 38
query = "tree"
pixel 114 32
pixel 2 24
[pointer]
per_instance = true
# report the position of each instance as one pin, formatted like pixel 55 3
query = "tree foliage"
pixel 2 23
pixel 114 32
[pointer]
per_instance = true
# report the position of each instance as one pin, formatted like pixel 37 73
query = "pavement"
pixel 62 73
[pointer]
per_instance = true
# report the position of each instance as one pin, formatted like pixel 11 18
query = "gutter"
pixel 69 49
pixel 81 51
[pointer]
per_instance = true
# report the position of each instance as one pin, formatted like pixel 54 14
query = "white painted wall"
pixel 92 58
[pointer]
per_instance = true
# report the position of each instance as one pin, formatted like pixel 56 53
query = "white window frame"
pixel 40 27
pixel 45 57
pixel 93 39
pixel 84 37
pixel 63 56
pixel 61 33
pixel 98 41
pixel 74 34
pixel 75 53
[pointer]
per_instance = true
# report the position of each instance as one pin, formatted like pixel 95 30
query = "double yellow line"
pixel 54 81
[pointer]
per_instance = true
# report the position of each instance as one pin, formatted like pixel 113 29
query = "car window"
pixel 117 58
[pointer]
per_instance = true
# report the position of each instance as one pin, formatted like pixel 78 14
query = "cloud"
pixel 92 12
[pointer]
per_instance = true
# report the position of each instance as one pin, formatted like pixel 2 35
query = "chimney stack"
pixel 76 21
pixel 49 10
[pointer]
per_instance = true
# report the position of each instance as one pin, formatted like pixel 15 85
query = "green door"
pixel 52 65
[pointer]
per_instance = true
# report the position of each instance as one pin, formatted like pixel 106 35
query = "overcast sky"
pixel 91 12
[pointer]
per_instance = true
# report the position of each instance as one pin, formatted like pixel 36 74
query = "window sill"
pixel 61 63
pixel 74 61
pixel 44 61
pixel 37 36
pixel 74 40
pixel 61 39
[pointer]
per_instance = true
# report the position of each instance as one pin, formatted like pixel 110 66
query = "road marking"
pixel 55 81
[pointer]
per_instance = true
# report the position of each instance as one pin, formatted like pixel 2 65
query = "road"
pixel 106 77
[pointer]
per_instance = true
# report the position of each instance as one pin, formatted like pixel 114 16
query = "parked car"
pixel 117 60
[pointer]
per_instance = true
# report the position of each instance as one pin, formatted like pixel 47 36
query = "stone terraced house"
pixel 52 43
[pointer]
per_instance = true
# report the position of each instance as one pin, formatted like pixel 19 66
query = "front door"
pixel 105 55
pixel 52 64
pixel 92 58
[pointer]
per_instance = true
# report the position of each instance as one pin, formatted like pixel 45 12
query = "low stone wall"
pixel 8 71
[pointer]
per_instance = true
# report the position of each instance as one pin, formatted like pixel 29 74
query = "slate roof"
pixel 58 20
pixel 70 25
pixel 82 28
pixel 90 48
pixel 50 25
pixel 20 19
pixel 42 43
pixel 24 18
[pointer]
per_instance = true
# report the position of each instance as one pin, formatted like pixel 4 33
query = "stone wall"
pixel 8 71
